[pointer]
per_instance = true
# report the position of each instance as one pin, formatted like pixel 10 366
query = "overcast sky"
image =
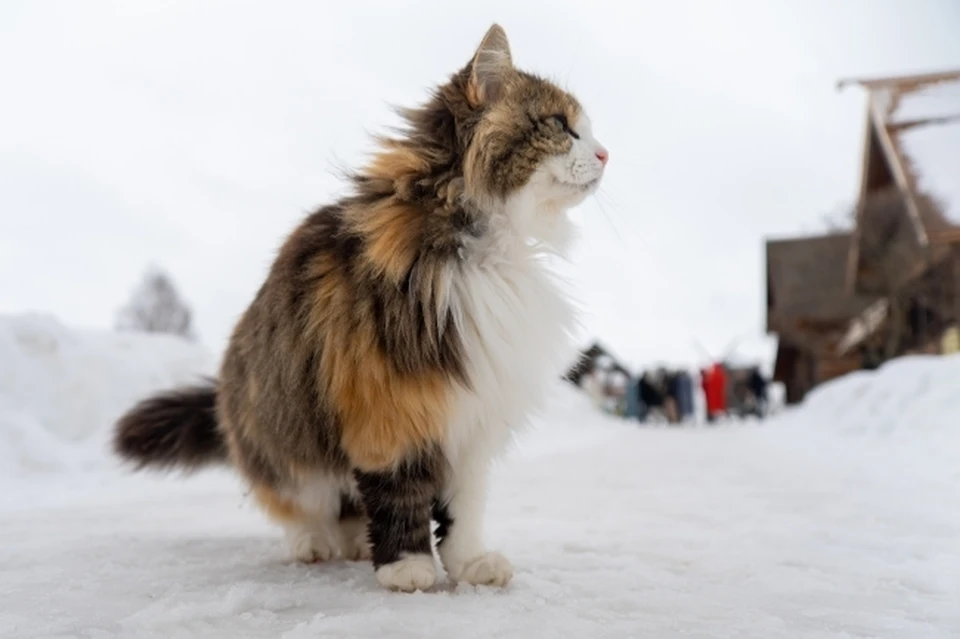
pixel 195 134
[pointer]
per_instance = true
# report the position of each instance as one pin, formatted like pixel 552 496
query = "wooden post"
pixel 955 284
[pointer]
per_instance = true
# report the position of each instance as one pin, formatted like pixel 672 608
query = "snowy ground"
pixel 827 522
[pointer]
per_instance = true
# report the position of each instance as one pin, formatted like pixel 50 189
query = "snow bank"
pixel 61 389
pixel 904 417
pixel 911 395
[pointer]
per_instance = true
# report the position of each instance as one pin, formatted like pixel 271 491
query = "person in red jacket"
pixel 714 381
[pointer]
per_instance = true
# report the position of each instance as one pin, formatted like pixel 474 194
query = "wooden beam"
pixel 903 125
pixel 912 81
pixel 899 172
pixel 863 326
pixel 949 236
pixel 853 253
pixel 955 287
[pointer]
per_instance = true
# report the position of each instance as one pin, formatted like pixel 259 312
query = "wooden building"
pixel 809 308
pixel 891 286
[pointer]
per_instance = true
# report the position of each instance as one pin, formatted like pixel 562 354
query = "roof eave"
pixel 907 82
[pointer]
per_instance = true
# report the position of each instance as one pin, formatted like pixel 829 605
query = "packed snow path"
pixel 615 531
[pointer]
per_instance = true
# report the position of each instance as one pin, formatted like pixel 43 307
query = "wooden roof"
pixel 805 281
pixel 912 145
pixel 586 360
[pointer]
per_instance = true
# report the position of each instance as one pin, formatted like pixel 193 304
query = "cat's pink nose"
pixel 603 155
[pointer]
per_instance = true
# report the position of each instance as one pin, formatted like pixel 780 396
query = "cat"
pixel 402 335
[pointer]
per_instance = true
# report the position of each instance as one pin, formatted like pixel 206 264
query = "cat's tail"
pixel 173 429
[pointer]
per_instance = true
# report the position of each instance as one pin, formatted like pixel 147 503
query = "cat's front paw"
pixel 414 572
pixel 489 569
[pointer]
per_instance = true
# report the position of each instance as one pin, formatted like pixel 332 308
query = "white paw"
pixel 311 547
pixel 414 572
pixel 489 569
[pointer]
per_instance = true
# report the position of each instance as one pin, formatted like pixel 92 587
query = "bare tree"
pixel 156 307
pixel 842 219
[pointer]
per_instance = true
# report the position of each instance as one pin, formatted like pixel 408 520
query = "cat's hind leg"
pixel 354 529
pixel 309 516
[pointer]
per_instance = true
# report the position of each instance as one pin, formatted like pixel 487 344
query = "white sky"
pixel 196 134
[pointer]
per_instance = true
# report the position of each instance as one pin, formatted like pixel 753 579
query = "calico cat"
pixel 402 335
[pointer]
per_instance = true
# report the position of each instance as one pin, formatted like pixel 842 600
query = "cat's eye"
pixel 561 119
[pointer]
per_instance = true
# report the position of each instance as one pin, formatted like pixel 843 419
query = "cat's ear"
pixel 489 67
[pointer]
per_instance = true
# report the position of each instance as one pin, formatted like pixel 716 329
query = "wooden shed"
pixel 891 285
pixel 810 309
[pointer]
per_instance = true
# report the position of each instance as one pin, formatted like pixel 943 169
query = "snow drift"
pixel 61 389
pixel 902 418
pixel 912 395
pixel 911 400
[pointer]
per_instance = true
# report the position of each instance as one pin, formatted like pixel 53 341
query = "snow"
pixel 909 397
pixel 836 519
pixel 60 389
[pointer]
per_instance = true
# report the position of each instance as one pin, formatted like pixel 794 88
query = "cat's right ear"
pixel 489 68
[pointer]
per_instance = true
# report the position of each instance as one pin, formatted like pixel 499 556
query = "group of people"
pixel 669 395
pixel 660 392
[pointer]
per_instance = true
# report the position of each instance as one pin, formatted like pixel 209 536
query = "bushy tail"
pixel 174 429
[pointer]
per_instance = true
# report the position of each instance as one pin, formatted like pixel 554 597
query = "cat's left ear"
pixel 490 66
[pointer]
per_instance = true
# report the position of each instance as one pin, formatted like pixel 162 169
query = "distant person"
pixel 650 397
pixel 758 386
pixel 715 389
pixel 671 403
pixel 684 386
pixel 631 397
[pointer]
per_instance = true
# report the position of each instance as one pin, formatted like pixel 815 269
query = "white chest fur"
pixel 516 325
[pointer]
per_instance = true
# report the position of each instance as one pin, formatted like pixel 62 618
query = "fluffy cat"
pixel 402 334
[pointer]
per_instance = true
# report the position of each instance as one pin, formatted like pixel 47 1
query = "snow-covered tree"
pixel 156 307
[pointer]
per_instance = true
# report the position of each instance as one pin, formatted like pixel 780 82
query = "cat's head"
pixel 532 142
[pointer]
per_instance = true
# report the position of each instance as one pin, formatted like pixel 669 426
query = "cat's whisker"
pixel 610 221
pixel 627 219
